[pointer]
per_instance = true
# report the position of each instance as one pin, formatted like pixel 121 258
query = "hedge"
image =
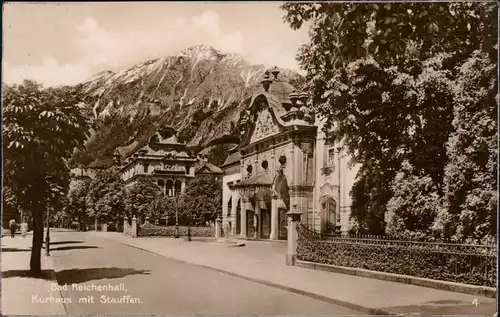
pixel 419 261
pixel 149 230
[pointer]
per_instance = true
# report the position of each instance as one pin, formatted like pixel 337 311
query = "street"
pixel 101 276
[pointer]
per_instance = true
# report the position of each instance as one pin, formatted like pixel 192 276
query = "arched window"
pixel 178 187
pixel 329 210
pixel 170 188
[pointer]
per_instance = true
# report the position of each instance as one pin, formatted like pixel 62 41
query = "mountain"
pixel 200 92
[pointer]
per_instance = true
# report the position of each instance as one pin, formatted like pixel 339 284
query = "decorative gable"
pixel 264 126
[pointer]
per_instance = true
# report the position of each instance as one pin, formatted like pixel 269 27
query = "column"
pixel 274 218
pixel 134 227
pixel 183 185
pixel 293 220
pixel 125 225
pixel 218 224
pixel 243 218
pixel 256 218
pixel 234 206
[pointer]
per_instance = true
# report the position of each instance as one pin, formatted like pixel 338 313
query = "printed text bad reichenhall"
pixel 90 287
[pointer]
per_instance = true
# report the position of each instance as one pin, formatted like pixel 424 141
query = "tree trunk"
pixel 36 251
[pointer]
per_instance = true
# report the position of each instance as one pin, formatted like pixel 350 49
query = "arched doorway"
pixel 238 217
pixel 329 215
pixel 282 224
pixel 281 188
pixel 265 220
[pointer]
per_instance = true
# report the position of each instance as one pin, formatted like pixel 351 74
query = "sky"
pixel 67 43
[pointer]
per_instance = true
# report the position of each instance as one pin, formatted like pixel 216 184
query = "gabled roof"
pixel 261 179
pixel 207 167
pixel 232 158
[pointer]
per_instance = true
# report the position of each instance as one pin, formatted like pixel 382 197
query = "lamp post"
pixel 47 234
pixel 47 237
pixel 176 217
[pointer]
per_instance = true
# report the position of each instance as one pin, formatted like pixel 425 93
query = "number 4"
pixel 475 302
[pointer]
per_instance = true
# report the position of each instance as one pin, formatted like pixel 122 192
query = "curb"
pixel 367 310
pixel 404 279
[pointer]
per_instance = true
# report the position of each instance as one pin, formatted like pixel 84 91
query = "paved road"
pixel 162 286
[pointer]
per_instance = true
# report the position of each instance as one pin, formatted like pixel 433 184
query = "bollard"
pixel 218 227
pixel 134 227
pixel 125 225
pixel 293 221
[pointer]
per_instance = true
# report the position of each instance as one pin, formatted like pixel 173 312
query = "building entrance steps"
pixel 264 262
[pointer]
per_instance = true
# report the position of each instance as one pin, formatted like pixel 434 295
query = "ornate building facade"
pixel 283 162
pixel 166 161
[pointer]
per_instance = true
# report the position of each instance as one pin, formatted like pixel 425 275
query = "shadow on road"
pixel 46 274
pixel 77 275
pixel 86 275
pixel 65 242
pixel 76 247
pixel 15 250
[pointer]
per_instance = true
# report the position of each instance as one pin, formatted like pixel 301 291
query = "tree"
pixel 372 191
pixel 105 197
pixel 139 197
pixel 202 200
pixel 41 129
pixel 78 206
pixel 471 195
pixel 380 74
pixel 159 206
pixel 415 204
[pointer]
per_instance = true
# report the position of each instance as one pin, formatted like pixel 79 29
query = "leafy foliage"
pixel 77 206
pixel 159 206
pixel 384 76
pixel 202 200
pixel 139 197
pixel 156 231
pixel 42 127
pixel 414 205
pixel 471 193
pixel 105 197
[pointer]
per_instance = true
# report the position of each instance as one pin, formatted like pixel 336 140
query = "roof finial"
pixel 275 71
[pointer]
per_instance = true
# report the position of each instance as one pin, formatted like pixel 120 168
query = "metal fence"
pixel 459 262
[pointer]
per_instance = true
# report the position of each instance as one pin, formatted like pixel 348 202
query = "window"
pixel 331 156
pixel 265 165
pixel 146 168
pixel 249 170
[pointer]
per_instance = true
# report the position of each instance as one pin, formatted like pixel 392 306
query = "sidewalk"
pixel 265 263
pixel 21 294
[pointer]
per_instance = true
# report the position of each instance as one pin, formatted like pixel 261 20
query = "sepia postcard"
pixel 250 158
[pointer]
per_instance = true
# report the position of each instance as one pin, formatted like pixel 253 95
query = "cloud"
pixel 275 54
pixel 208 24
pixel 96 48
pixel 49 73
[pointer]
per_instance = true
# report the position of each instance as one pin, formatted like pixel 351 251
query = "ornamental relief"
pixel 174 167
pixel 264 126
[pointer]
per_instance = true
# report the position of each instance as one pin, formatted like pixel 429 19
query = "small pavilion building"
pixel 166 161
pixel 283 161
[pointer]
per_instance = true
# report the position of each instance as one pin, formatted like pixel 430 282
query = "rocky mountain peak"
pixel 200 92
